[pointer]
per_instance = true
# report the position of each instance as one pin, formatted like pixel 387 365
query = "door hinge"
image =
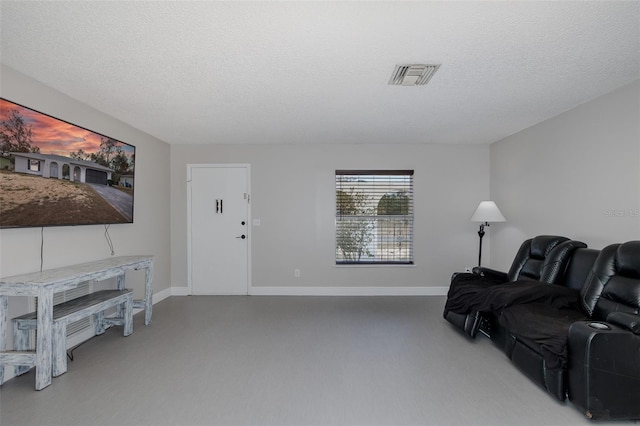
pixel 247 197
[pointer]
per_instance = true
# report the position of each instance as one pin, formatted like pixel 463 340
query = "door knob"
pixel 242 236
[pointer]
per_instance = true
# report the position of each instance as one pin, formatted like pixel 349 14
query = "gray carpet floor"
pixel 239 360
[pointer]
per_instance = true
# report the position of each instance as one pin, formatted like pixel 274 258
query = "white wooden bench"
pixel 68 312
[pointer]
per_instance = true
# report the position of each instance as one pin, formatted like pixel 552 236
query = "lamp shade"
pixel 487 211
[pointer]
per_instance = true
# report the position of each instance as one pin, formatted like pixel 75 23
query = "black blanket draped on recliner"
pixel 518 306
pixel 544 325
pixel 470 292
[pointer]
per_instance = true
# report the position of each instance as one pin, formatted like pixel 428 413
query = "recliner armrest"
pixel 492 274
pixel 455 274
pixel 603 370
pixel 625 320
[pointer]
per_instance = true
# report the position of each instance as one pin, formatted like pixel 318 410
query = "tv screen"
pixel 54 173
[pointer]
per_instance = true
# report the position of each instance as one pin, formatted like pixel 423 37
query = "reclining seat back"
pixel 613 285
pixel 556 265
pixel 532 262
pixel 580 264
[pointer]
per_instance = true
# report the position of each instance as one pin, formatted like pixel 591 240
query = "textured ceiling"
pixel 317 72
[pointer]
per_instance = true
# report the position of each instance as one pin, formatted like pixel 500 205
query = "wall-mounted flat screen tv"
pixel 54 173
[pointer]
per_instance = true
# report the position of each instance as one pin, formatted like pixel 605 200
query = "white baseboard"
pixel 161 295
pixel 180 291
pixel 348 291
pixel 330 291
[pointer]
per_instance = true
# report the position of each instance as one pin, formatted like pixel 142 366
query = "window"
pixel 34 165
pixel 374 217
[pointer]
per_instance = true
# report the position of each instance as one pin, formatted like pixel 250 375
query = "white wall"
pixel 577 174
pixel 293 195
pixel 149 234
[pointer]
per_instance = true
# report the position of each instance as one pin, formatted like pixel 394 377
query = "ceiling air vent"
pixel 413 75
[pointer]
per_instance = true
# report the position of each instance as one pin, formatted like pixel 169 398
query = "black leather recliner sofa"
pixel 578 337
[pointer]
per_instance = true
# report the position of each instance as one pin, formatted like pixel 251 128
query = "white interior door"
pixel 218 254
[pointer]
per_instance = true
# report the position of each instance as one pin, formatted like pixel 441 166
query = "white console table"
pixel 43 285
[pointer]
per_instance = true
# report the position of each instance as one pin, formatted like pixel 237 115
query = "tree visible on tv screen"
pixel 110 155
pixel 15 135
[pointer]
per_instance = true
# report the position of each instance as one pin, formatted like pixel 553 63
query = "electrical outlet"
pixel 296 273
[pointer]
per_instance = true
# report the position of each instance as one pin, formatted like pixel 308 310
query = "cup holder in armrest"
pixel 599 326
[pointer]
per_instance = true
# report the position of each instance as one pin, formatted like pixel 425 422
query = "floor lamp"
pixel 486 212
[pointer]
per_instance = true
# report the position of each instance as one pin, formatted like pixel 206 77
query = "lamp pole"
pixel 481 234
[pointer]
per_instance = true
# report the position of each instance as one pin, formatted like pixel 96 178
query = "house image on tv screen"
pixel 60 167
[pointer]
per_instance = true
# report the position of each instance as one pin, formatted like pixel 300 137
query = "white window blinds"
pixel 374 216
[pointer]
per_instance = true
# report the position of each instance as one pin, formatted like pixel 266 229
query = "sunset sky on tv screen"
pixel 54 136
